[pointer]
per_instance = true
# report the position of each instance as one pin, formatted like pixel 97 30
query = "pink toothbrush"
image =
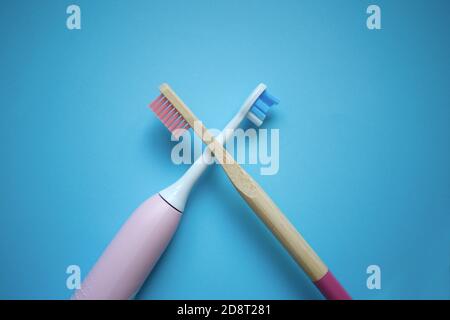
pixel 129 258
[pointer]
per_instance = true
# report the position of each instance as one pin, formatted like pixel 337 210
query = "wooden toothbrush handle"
pixel 276 221
pixel 286 233
pixel 280 226
pixel 269 213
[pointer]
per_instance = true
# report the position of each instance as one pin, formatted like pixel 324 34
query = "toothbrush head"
pixel 261 107
pixel 169 115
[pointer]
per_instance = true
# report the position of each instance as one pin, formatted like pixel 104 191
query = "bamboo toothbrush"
pixel 131 255
pixel 254 195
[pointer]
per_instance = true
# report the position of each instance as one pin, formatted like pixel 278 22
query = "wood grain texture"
pixel 254 195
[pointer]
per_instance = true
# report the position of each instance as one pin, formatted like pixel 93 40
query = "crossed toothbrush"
pixel 129 258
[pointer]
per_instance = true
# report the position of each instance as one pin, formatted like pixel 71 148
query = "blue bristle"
pixel 269 99
pixel 258 113
pixel 262 106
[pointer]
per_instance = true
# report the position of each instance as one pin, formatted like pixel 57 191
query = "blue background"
pixel 364 127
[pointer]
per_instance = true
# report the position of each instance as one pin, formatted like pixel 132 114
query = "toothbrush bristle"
pixel 169 115
pixel 261 107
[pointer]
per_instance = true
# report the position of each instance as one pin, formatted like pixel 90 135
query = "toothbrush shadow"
pixel 155 137
pixel 252 228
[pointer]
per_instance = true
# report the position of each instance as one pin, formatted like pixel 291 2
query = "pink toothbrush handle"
pixel 331 288
pixel 131 255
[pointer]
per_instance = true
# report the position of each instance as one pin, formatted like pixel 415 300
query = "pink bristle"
pixel 173 115
pixel 158 109
pixel 173 120
pixel 159 104
pixel 153 104
pixel 163 106
pixel 185 125
pixel 181 125
pixel 175 123
pixel 156 102
pixel 169 115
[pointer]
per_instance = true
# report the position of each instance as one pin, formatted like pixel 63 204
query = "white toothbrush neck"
pixel 242 113
pixel 178 193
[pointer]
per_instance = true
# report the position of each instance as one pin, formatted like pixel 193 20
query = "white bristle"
pixel 254 119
